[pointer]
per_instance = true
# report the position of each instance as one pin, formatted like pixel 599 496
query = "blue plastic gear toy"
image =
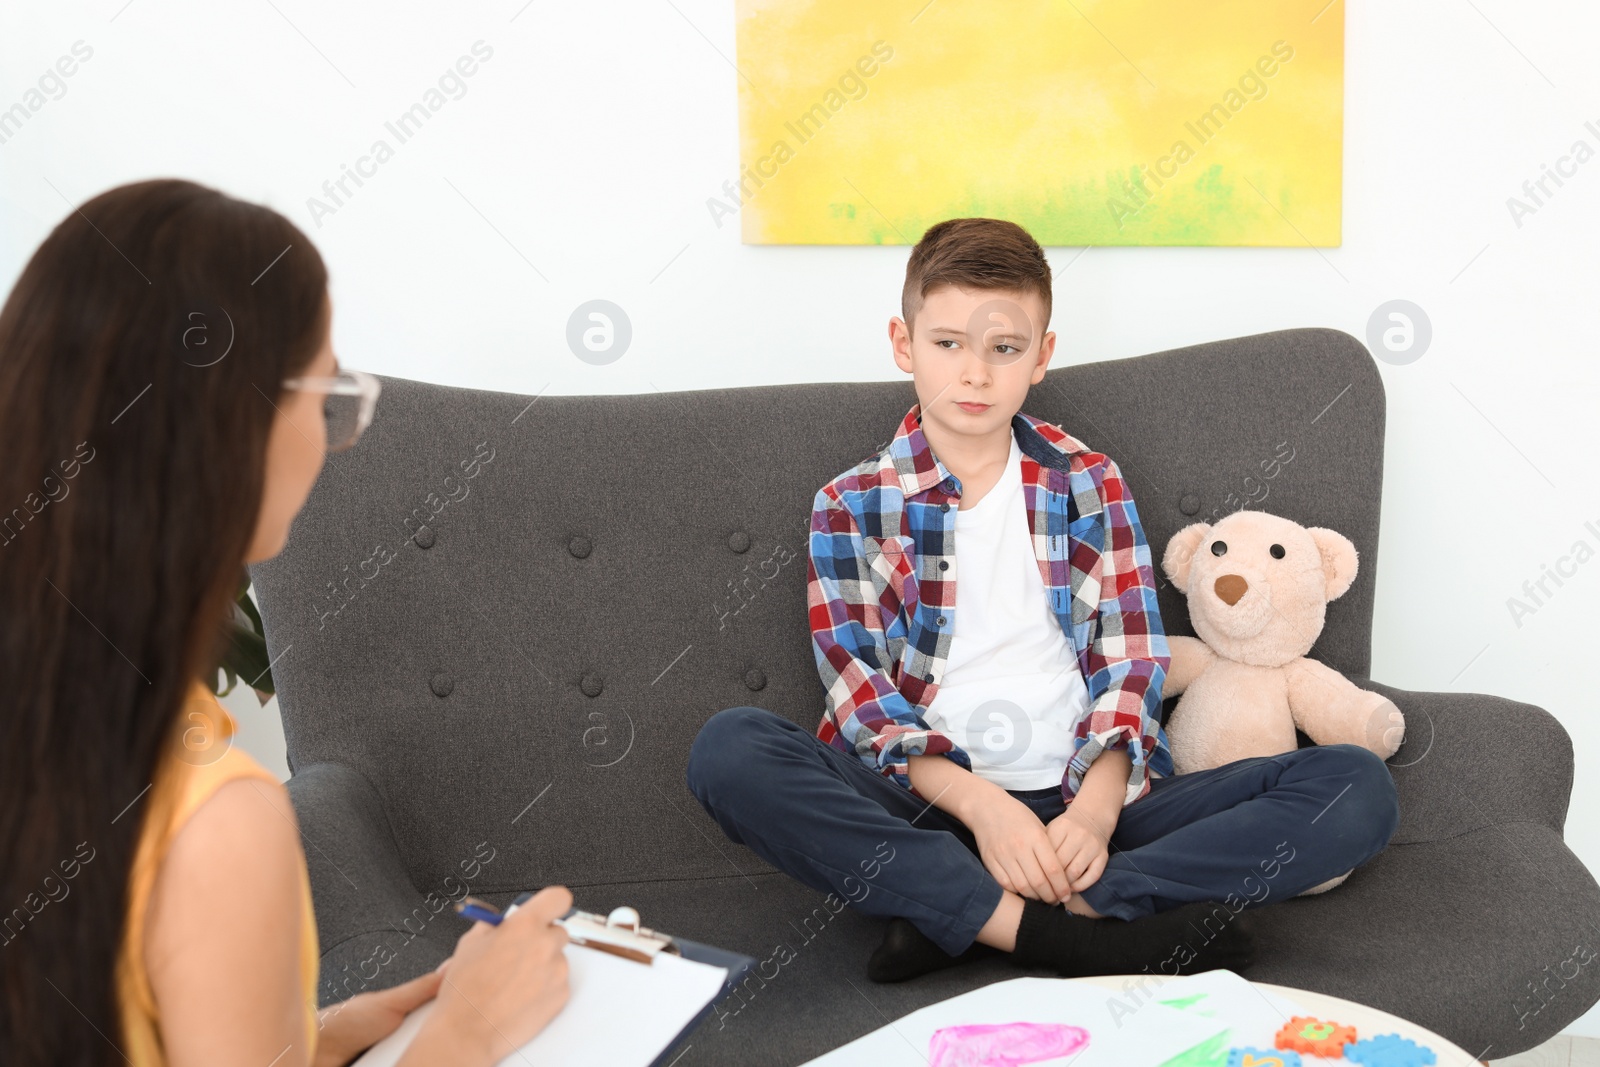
pixel 1263 1057
pixel 1389 1050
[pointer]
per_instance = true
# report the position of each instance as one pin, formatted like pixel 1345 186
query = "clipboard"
pixel 621 934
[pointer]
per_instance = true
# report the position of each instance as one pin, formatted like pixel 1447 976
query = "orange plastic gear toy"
pixel 1315 1037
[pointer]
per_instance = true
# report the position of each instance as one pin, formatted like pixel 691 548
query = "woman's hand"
pixel 349 1028
pixel 1015 848
pixel 503 985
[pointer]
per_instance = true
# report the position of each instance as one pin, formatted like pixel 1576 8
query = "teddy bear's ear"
pixel 1180 550
pixel 1338 559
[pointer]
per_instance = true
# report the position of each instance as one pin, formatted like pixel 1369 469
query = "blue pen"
pixel 479 911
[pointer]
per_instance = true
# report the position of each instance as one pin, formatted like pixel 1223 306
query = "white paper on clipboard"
pixel 654 1000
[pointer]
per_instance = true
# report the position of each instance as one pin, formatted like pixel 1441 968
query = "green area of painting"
pixel 1210 208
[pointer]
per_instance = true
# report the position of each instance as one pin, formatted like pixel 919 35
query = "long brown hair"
pixel 142 352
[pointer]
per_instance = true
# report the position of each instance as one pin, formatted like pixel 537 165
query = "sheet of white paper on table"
pixel 1151 1033
pixel 1252 1015
pixel 620 1012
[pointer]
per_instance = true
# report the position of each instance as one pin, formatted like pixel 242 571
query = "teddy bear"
pixel 1258 587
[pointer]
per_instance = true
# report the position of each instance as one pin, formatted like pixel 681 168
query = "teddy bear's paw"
pixel 1323 887
pixel 1395 735
pixel 1386 729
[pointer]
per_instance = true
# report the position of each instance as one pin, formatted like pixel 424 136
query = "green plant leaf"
pixel 246 655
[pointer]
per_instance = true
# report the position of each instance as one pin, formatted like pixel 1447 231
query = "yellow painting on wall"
pixel 1089 122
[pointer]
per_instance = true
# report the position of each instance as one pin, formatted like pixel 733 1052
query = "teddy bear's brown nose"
pixel 1230 587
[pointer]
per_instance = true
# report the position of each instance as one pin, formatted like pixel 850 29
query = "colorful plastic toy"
pixel 1262 1057
pixel 1315 1037
pixel 1390 1050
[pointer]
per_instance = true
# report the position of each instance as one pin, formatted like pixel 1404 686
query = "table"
pixel 1367 1021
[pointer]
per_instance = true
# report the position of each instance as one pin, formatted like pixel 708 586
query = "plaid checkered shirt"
pixel 881 592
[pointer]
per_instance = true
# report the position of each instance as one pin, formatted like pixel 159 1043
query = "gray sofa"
pixel 500 621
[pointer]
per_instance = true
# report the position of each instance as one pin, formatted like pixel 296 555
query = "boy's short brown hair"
pixel 975 254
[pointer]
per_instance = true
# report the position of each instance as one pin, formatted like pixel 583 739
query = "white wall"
pixel 578 164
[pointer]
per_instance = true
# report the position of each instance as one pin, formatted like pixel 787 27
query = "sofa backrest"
pixel 512 614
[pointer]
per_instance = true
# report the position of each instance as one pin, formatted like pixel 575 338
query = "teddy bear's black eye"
pixel 1277 551
pixel 1219 548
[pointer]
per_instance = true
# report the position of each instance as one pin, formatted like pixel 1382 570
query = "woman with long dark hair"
pixel 168 390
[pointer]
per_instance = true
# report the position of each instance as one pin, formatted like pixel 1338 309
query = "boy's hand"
pixel 1081 835
pixel 1081 844
pixel 1015 848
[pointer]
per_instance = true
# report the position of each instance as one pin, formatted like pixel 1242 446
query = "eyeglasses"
pixel 352 397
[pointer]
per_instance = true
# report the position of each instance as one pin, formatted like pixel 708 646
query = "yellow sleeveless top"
pixel 206 763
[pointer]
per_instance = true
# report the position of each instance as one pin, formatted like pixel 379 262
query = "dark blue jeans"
pixel 1244 834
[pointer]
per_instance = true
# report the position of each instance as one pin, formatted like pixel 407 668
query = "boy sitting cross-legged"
pixel 994 761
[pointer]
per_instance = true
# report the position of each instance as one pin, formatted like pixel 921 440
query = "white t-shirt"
pixel 1012 692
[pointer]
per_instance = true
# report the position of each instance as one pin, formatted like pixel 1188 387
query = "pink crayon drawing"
pixel 1004 1044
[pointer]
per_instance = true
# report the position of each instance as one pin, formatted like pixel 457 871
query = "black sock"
pixel 907 953
pixel 1186 940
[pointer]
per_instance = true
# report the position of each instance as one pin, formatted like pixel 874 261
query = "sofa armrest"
pixel 1477 922
pixel 375 928
pixel 1471 761
pixel 1487 937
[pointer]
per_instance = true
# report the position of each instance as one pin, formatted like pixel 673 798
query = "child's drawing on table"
pixel 1004 1044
